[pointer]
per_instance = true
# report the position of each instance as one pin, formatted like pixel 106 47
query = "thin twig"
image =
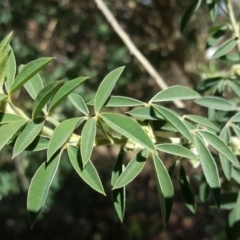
pixel 133 49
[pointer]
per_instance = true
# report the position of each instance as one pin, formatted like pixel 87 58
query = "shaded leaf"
pixel 28 72
pixel 61 134
pixel 3 97
pixel 165 188
pixel 105 88
pixel 39 187
pixel 128 128
pixel 38 144
pixel 43 96
pixel 175 93
pixel 28 134
pixel 209 168
pixel 120 101
pixel 133 168
pixel 212 8
pixel 87 139
pixel 78 103
pixel 146 113
pixel 87 173
pixel 235 86
pixel 64 91
pixel 235 118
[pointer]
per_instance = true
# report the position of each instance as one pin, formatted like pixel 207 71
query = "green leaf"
pixel 3 97
pixel 236 130
pixel 87 139
pixel 176 149
pixel 225 48
pixel 38 144
pixel 64 91
pixel 226 165
pixel 165 188
pixel 216 103
pixel 28 134
pixel 217 34
pixel 146 113
pixel 61 134
pixel 8 131
pixel 78 103
pixel 87 173
pixel 105 88
pixel 186 190
pixel 235 118
pixel 209 168
pixel 212 8
pixel 9 118
pixel 119 195
pixel 120 101
pixel 28 72
pixel 235 86
pixel 231 57
pixel 175 93
pixel 43 96
pixel 34 86
pixel 188 13
pixel 39 187
pixel 133 168
pixel 10 71
pixel 175 121
pixel 128 128
pixel 220 146
pixel 202 121
pixel 4 53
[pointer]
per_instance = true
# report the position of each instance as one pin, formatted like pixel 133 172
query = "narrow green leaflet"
pixel 28 72
pixel 226 165
pixel 148 113
pixel 28 134
pixel 78 103
pixel 212 8
pixel 34 86
pixel 61 134
pixel 225 48
pixel 64 91
pixel 120 101
pixel 209 168
pixel 219 145
pixel 235 118
pixel 236 130
pixel 175 121
pixel 87 173
pixel 175 93
pixel 202 121
pixel 235 86
pixel 87 139
pixel 133 168
pixel 39 187
pixel 165 188
pixel 10 71
pixel 188 13
pixel 119 195
pixel 9 118
pixel 105 88
pixel 176 149
pixel 186 190
pixel 43 96
pixel 3 97
pixel 128 128
pixel 38 144
pixel 4 52
pixel 217 35
pixel 8 131
pixel 216 103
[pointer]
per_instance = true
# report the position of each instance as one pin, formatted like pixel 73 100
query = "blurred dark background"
pixel 77 34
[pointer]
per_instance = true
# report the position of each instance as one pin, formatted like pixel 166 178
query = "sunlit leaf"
pixel 9 118
pixel 3 97
pixel 165 188
pixel 146 113
pixel 87 139
pixel 133 168
pixel 28 134
pixel 78 103
pixel 105 88
pixel 235 118
pixel 186 190
pixel 61 134
pixel 128 128
pixel 209 168
pixel 39 187
pixel 216 103
pixel 120 101
pixel 64 91
pixel 28 72
pixel 43 96
pixel 10 71
pixel 87 173
pixel 119 195
pixel 38 144
pixel 175 93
